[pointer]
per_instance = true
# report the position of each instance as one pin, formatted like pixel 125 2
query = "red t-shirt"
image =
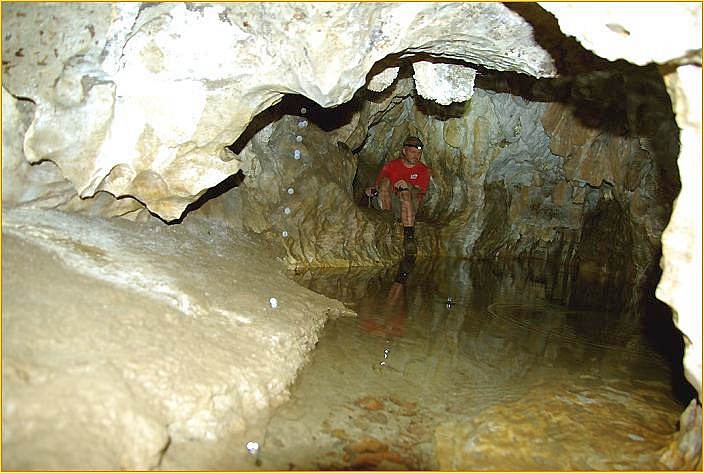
pixel 395 170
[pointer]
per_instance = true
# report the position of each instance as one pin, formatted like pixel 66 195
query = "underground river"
pixel 453 364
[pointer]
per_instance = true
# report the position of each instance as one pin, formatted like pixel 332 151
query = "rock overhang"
pixel 140 100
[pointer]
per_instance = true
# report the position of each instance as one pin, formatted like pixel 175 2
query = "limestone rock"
pixel 153 93
pixel 685 451
pixel 444 83
pixel 382 80
pixel 138 101
pixel 555 440
pixel 48 411
pixel 154 334
pixel 41 184
pixel 625 30
pixel 682 239
pixel 517 178
pixel 303 201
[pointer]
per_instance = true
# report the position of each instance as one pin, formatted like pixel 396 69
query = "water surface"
pixel 465 365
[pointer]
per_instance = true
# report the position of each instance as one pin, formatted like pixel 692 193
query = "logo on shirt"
pixel 414 176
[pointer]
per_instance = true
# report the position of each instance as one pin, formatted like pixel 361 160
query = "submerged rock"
pixel 562 428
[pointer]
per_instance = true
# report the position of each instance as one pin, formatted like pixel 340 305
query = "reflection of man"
pixel 391 320
pixel 404 269
pixel 408 178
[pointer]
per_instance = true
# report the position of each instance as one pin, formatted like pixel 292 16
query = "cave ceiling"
pixel 142 99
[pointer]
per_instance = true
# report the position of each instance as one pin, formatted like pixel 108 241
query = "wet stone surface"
pixel 461 369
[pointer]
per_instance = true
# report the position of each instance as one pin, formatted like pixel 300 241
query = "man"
pixel 407 178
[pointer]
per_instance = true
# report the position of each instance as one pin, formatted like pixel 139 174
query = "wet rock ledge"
pixel 89 299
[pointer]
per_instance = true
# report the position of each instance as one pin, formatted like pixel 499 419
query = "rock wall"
pixel 628 25
pixel 130 109
pixel 518 176
pixel 298 194
pixel 629 34
pixel 142 99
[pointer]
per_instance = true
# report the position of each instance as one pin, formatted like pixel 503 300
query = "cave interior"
pixel 573 176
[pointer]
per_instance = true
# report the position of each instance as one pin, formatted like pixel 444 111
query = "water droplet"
pixel 287 210
pixel 297 153
pixel 252 447
pixel 274 304
pixel 299 138
pixel 303 124
pixel 284 234
pixel 303 110
pixel 290 191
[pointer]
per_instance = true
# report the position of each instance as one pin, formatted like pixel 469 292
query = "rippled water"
pixel 468 366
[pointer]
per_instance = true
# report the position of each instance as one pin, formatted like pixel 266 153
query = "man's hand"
pixel 401 186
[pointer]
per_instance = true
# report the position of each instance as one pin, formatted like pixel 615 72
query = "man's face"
pixel 412 153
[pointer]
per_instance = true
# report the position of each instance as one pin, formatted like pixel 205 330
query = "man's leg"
pixel 385 194
pixel 408 207
pixel 407 200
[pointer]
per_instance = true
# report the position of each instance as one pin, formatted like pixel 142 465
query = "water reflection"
pixel 445 349
pixel 387 319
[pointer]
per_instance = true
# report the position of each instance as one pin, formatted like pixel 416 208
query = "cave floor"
pixel 461 369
